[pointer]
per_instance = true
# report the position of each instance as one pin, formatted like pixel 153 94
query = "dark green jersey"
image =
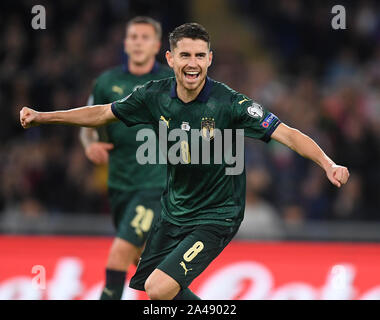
pixel 199 193
pixel 124 172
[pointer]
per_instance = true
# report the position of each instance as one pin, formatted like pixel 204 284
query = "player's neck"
pixel 186 95
pixel 141 69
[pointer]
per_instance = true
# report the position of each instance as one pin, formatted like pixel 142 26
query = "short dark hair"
pixel 147 20
pixel 188 30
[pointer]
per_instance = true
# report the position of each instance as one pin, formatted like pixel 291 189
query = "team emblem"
pixel 207 128
pixel 255 111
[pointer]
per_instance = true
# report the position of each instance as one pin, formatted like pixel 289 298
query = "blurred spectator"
pixel 349 204
pixel 293 214
pixel 260 218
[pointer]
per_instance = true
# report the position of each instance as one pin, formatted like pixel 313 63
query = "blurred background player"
pixel 134 190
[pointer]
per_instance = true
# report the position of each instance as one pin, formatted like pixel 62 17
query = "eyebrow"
pixel 182 53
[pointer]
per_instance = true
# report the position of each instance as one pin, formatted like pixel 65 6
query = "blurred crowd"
pixel 326 83
pixel 322 81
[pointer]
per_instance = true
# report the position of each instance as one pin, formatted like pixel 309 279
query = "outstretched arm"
pixel 308 148
pixel 89 116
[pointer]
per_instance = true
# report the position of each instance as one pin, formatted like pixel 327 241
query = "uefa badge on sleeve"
pixel 255 111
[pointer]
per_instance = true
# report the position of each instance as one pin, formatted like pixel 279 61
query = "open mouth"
pixel 138 53
pixel 191 75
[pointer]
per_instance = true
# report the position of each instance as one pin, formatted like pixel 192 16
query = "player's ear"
pixel 169 58
pixel 210 55
pixel 126 45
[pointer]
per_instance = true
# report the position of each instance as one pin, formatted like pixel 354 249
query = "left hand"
pixel 338 175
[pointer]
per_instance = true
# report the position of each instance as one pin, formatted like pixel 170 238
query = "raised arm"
pixel 308 148
pixel 89 116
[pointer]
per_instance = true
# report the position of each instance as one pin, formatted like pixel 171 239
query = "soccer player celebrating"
pixel 134 190
pixel 202 206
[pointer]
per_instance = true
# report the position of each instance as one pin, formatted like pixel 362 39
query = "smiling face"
pixel 141 43
pixel 190 59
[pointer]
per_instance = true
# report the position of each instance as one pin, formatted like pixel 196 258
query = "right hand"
pixel 29 118
pixel 98 152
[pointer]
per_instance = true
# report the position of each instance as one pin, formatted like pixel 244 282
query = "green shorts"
pixel 182 252
pixel 134 213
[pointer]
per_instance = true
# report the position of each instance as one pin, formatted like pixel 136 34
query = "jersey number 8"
pixel 193 251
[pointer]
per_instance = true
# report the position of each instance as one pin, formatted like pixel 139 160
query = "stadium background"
pixel 284 54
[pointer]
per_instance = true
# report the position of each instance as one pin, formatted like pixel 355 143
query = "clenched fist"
pixel 338 175
pixel 29 117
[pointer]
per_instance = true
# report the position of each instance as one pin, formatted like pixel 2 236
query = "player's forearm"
pixel 308 148
pixel 89 116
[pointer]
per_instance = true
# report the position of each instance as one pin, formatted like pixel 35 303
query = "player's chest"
pixel 193 116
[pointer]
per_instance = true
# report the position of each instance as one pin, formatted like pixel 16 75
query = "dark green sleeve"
pixel 132 109
pixel 257 121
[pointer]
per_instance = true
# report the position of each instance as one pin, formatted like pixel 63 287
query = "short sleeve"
pixel 256 120
pixel 132 109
